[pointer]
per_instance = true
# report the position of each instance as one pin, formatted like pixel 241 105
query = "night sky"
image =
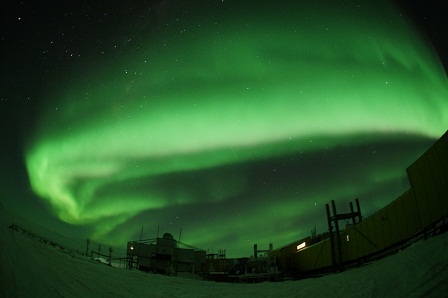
pixel 235 121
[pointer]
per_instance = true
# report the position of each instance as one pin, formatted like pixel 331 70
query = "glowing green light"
pixel 228 95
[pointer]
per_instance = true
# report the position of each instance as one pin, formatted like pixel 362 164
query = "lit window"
pixel 301 245
pixel 132 248
pixel 348 238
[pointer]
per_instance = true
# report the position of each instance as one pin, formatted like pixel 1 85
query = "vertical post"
pixel 138 248
pixel 338 238
pixel 352 213
pixel 330 230
pixel 139 245
pixel 99 249
pixel 255 250
pixel 110 255
pixel 87 248
pixel 359 210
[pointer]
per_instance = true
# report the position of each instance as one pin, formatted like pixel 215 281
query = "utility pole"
pixel 110 255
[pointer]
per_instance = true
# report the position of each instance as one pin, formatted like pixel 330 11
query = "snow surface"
pixel 30 268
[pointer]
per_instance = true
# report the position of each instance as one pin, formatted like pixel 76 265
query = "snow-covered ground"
pixel 30 268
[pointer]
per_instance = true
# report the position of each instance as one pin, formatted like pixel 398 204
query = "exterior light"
pixel 301 245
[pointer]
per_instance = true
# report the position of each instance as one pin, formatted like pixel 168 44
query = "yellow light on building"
pixel 301 245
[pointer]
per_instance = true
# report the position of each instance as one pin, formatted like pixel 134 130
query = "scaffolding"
pixel 333 228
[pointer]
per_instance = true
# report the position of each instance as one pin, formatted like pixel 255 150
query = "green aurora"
pixel 176 127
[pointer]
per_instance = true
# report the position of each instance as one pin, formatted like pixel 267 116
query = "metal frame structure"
pixel 335 235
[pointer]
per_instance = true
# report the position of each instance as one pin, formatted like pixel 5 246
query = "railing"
pixel 74 249
pixel 107 259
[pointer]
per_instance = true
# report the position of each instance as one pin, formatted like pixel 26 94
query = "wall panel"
pixel 360 230
pixel 358 239
pixel 400 218
pixel 395 229
pixel 316 260
pixel 408 224
pixel 369 235
pixel 347 246
pixel 420 194
pixel 326 254
pixel 441 147
pixel 431 196
pixel 440 176
pixel 382 225
pixel 313 257
pixel 377 224
pixel 412 212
